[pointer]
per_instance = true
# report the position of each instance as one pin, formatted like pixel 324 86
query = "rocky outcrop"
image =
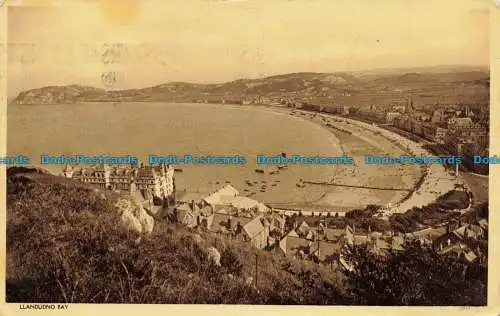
pixel 213 256
pixel 133 215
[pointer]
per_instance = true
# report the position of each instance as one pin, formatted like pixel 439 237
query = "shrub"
pixel 231 262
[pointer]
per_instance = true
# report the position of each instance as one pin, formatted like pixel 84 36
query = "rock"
pixel 134 217
pixel 249 280
pixel 213 256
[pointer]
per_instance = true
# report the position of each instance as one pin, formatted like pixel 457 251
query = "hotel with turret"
pixel 157 181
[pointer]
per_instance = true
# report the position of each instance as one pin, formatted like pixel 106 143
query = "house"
pixel 227 224
pixel 379 247
pixel 276 222
pixel 223 196
pixel 440 135
pixel 158 180
pixel 460 250
pixel 188 215
pixel 293 246
pixel 189 197
pixel 360 239
pixel 247 204
pixel 483 223
pixel 447 240
pixel 390 116
pixel 469 231
pixel 428 233
pixel 325 252
pixel 397 243
pixel 335 234
pixel 456 123
pixel 303 229
pixel 257 232
pixel 229 196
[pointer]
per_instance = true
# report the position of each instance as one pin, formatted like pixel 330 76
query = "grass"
pixel 65 243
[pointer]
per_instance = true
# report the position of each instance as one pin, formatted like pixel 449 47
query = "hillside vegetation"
pixel 65 243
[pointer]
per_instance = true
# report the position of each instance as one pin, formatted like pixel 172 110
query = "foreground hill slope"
pixel 67 243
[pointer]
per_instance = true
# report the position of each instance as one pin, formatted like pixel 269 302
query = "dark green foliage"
pixel 229 260
pixel 431 214
pixel 483 210
pixel 453 200
pixel 416 276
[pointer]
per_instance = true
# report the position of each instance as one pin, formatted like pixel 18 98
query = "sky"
pixel 56 43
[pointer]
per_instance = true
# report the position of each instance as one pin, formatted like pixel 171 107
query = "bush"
pixel 231 262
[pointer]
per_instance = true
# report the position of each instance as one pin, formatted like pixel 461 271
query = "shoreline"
pixel 368 195
pixel 426 191
pixel 327 197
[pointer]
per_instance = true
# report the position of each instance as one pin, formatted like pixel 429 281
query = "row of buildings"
pixel 455 129
pixel 328 246
pixel 154 181
pixel 227 213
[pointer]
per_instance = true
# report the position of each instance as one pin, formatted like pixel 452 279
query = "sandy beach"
pixel 357 142
pixel 358 139
pixel 437 180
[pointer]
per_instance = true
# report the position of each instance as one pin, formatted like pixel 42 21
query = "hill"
pixel 65 243
pixel 346 87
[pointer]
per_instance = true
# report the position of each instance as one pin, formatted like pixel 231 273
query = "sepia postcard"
pixel 249 156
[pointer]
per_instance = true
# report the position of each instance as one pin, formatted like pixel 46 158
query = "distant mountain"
pixel 315 87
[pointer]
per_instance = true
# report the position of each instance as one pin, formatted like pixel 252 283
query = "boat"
pixel 259 170
pixel 178 169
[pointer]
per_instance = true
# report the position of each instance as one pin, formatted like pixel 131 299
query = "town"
pixel 322 238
